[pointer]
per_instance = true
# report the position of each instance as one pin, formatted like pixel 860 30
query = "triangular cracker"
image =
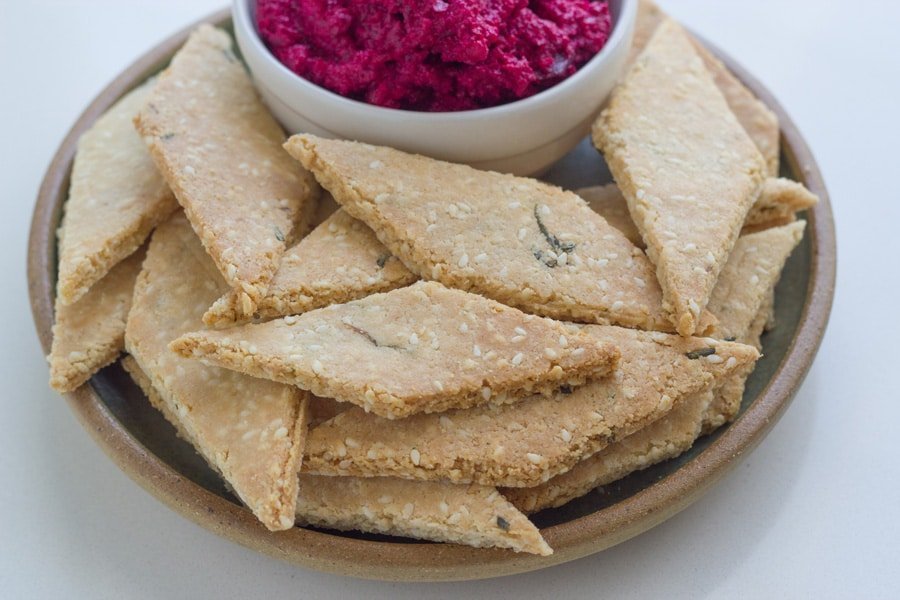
pixel 758 121
pixel 340 261
pixel 741 300
pixel 474 515
pixel 519 241
pixel 663 439
pixel 116 198
pixel 778 200
pixel 250 430
pixel 420 348
pixel 90 333
pixel 528 442
pixel 751 271
pixel 685 165
pixel 219 150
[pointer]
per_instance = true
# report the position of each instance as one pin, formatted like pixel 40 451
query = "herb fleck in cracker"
pixel 420 348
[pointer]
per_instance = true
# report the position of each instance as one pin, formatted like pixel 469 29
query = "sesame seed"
pixel 714 359
pixel 280 432
pixel 690 246
pixel 517 359
pixel 731 362
pixel 351 443
pixel 565 435
pixel 504 271
pixel 514 204
pixel 408 509
pixel 640 282
pixel 603 284
pixel 480 258
pixel 463 261
pixel 438 385
pixel 430 228
pixel 317 366
pixel 385 499
pixel 695 309
pixel 577 351
pixel 486 393
pixel 463 328
pixel 618 305
pixel 189 170
pixel 534 458
pixel 445 508
pixel 522 233
pixel 640 194
pixel 562 259
pixel 413 339
pixel 415 457
pixel 550 353
pixel 517 338
pixel 520 331
pixel 445 422
pixel 376 164
pixel 476 350
pixel 710 258
pixel 754 279
pixel 545 210
pixel 563 341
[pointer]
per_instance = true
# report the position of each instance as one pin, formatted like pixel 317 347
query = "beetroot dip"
pixel 434 55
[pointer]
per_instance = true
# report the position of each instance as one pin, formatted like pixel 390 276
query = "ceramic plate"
pixel 144 445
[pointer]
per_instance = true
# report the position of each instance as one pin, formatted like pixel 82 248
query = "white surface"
pixel 812 513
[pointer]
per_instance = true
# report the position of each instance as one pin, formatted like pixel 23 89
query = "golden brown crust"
pixel 665 438
pixel 528 442
pixel 90 334
pixel 250 430
pixel 340 261
pixel 473 515
pixel 220 151
pixel 115 200
pixel 758 121
pixel 686 167
pixel 519 241
pixel 423 348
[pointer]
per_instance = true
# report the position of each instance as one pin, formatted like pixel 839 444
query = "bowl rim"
pixel 400 561
pixel 242 18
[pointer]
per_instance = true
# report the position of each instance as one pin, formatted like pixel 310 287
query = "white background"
pixel 814 512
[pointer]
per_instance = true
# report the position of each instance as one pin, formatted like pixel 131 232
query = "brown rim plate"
pixel 140 442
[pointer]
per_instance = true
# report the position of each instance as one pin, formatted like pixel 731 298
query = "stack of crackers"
pixel 359 338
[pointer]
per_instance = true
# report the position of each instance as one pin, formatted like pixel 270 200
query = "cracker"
pixel 219 150
pixel 116 198
pixel 423 348
pixel 340 261
pixel 743 298
pixel 251 430
pixel 663 439
pixel 528 442
pixel 89 334
pixel 686 167
pixel 473 515
pixel 519 241
pixel 758 121
pixel 778 200
pixel 751 272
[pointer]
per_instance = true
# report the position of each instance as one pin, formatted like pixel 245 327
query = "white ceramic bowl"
pixel 523 137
